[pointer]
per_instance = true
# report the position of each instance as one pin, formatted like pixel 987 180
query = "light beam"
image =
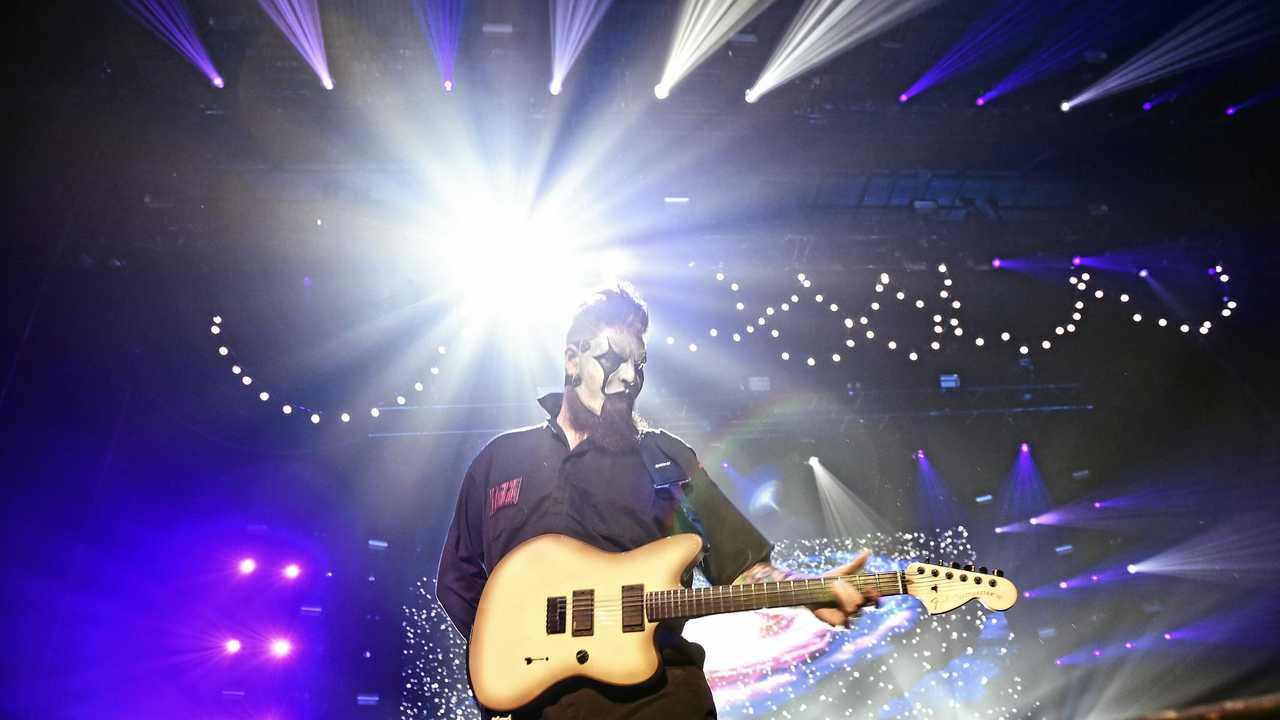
pixel 1214 33
pixel 171 22
pixel 441 25
pixel 299 20
pixel 572 22
pixel 825 28
pixel 701 27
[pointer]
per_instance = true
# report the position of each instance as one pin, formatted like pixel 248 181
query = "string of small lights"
pixel 947 321
pixel 315 416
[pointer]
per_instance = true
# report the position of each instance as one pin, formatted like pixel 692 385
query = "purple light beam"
pixel 572 22
pixel 441 24
pixel 1003 24
pixel 299 20
pixel 171 22
pixel 1255 100
pixel 1080 31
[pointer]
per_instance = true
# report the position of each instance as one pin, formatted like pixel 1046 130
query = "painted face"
pixel 609 364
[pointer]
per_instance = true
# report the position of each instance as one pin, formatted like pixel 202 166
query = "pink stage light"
pixel 232 646
pixel 248 565
pixel 281 648
pixel 292 571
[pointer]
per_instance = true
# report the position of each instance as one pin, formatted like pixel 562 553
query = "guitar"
pixel 555 608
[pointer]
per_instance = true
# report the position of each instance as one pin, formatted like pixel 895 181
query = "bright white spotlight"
pixel 247 566
pixel 813 460
pixel 1065 106
pixel 702 26
pixel 1132 569
pixel 281 647
pixel 554 88
pixel 291 571
pixel 232 646
pixel 662 92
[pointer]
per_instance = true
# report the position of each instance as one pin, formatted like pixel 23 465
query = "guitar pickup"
pixel 555 615
pixel 584 611
pixel 632 608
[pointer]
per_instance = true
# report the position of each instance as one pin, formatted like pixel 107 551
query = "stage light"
pixel 1131 569
pixel 1224 277
pixel 448 86
pixel 1143 273
pixel 286 409
pixel 1033 521
pixel 892 345
pixel 435 371
pixel 979 342
pixel 374 412
pixel 811 362
pixel 1168 636
pixel 935 345
pixel 1046 344
pixel 1024 350
pixel 903 98
pixel 849 342
pixel 713 332
pixel 740 306
pixel 1005 336
pixel 1215 32
pixel 232 646
pixel 823 29
pixel 299 21
pixel 738 338
pixel 345 417
pixel 1025 447
pixel 835 357
pixel 662 92
pixel 236 370
pixel 913 356
pixel 995 263
pixel 400 400
pixel 693 347
pixel 813 460
pixel 247 566
pixel 215 329
pixel 1146 106
pixel 223 351
pixel 774 332
pixel 785 356
pixel 281 647
pixel 264 396
pixel 171 22
pixel 1137 317
pixel 315 419
pixel 292 571
pixel 554 88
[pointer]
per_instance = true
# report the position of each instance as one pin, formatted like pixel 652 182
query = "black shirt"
pixel 527 482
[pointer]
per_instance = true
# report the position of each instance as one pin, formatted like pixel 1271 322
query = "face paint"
pixel 611 364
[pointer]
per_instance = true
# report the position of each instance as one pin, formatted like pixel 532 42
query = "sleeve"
pixel 462 572
pixel 733 542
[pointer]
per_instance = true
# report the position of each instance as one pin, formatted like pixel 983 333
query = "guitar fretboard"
pixel 686 603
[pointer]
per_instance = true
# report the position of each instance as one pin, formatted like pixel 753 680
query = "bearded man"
pixel 583 473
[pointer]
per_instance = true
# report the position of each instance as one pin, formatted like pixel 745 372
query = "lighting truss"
pixel 703 26
pixel 572 22
pixel 1213 33
pixel 171 22
pixel 825 28
pixel 299 20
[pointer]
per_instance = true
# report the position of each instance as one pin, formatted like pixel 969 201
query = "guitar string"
pixel 887 584
pixel 613 607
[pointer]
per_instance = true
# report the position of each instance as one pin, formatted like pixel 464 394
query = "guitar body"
pixel 514 659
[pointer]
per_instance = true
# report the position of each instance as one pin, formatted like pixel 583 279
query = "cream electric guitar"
pixel 556 608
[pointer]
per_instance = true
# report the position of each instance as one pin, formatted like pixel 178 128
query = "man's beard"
pixel 615 428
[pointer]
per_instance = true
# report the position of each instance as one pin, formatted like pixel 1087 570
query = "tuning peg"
pixel 999 572
pixel 983 570
pixel 968 568
pixel 955 566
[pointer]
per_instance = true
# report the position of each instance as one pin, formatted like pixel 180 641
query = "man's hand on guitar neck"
pixel 849 600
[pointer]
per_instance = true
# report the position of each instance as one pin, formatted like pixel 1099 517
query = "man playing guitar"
pixel 589 473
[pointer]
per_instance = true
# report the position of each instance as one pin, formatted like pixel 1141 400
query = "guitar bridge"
pixel 555 615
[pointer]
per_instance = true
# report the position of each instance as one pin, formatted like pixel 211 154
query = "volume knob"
pixel 582 657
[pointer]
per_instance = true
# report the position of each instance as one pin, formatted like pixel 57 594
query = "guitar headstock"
pixel 944 588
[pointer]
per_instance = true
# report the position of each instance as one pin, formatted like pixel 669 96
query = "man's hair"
pixel 617 305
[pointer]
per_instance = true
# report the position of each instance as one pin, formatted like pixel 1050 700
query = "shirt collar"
pixel 551 403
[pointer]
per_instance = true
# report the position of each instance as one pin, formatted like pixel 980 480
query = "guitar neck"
pixel 688 603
